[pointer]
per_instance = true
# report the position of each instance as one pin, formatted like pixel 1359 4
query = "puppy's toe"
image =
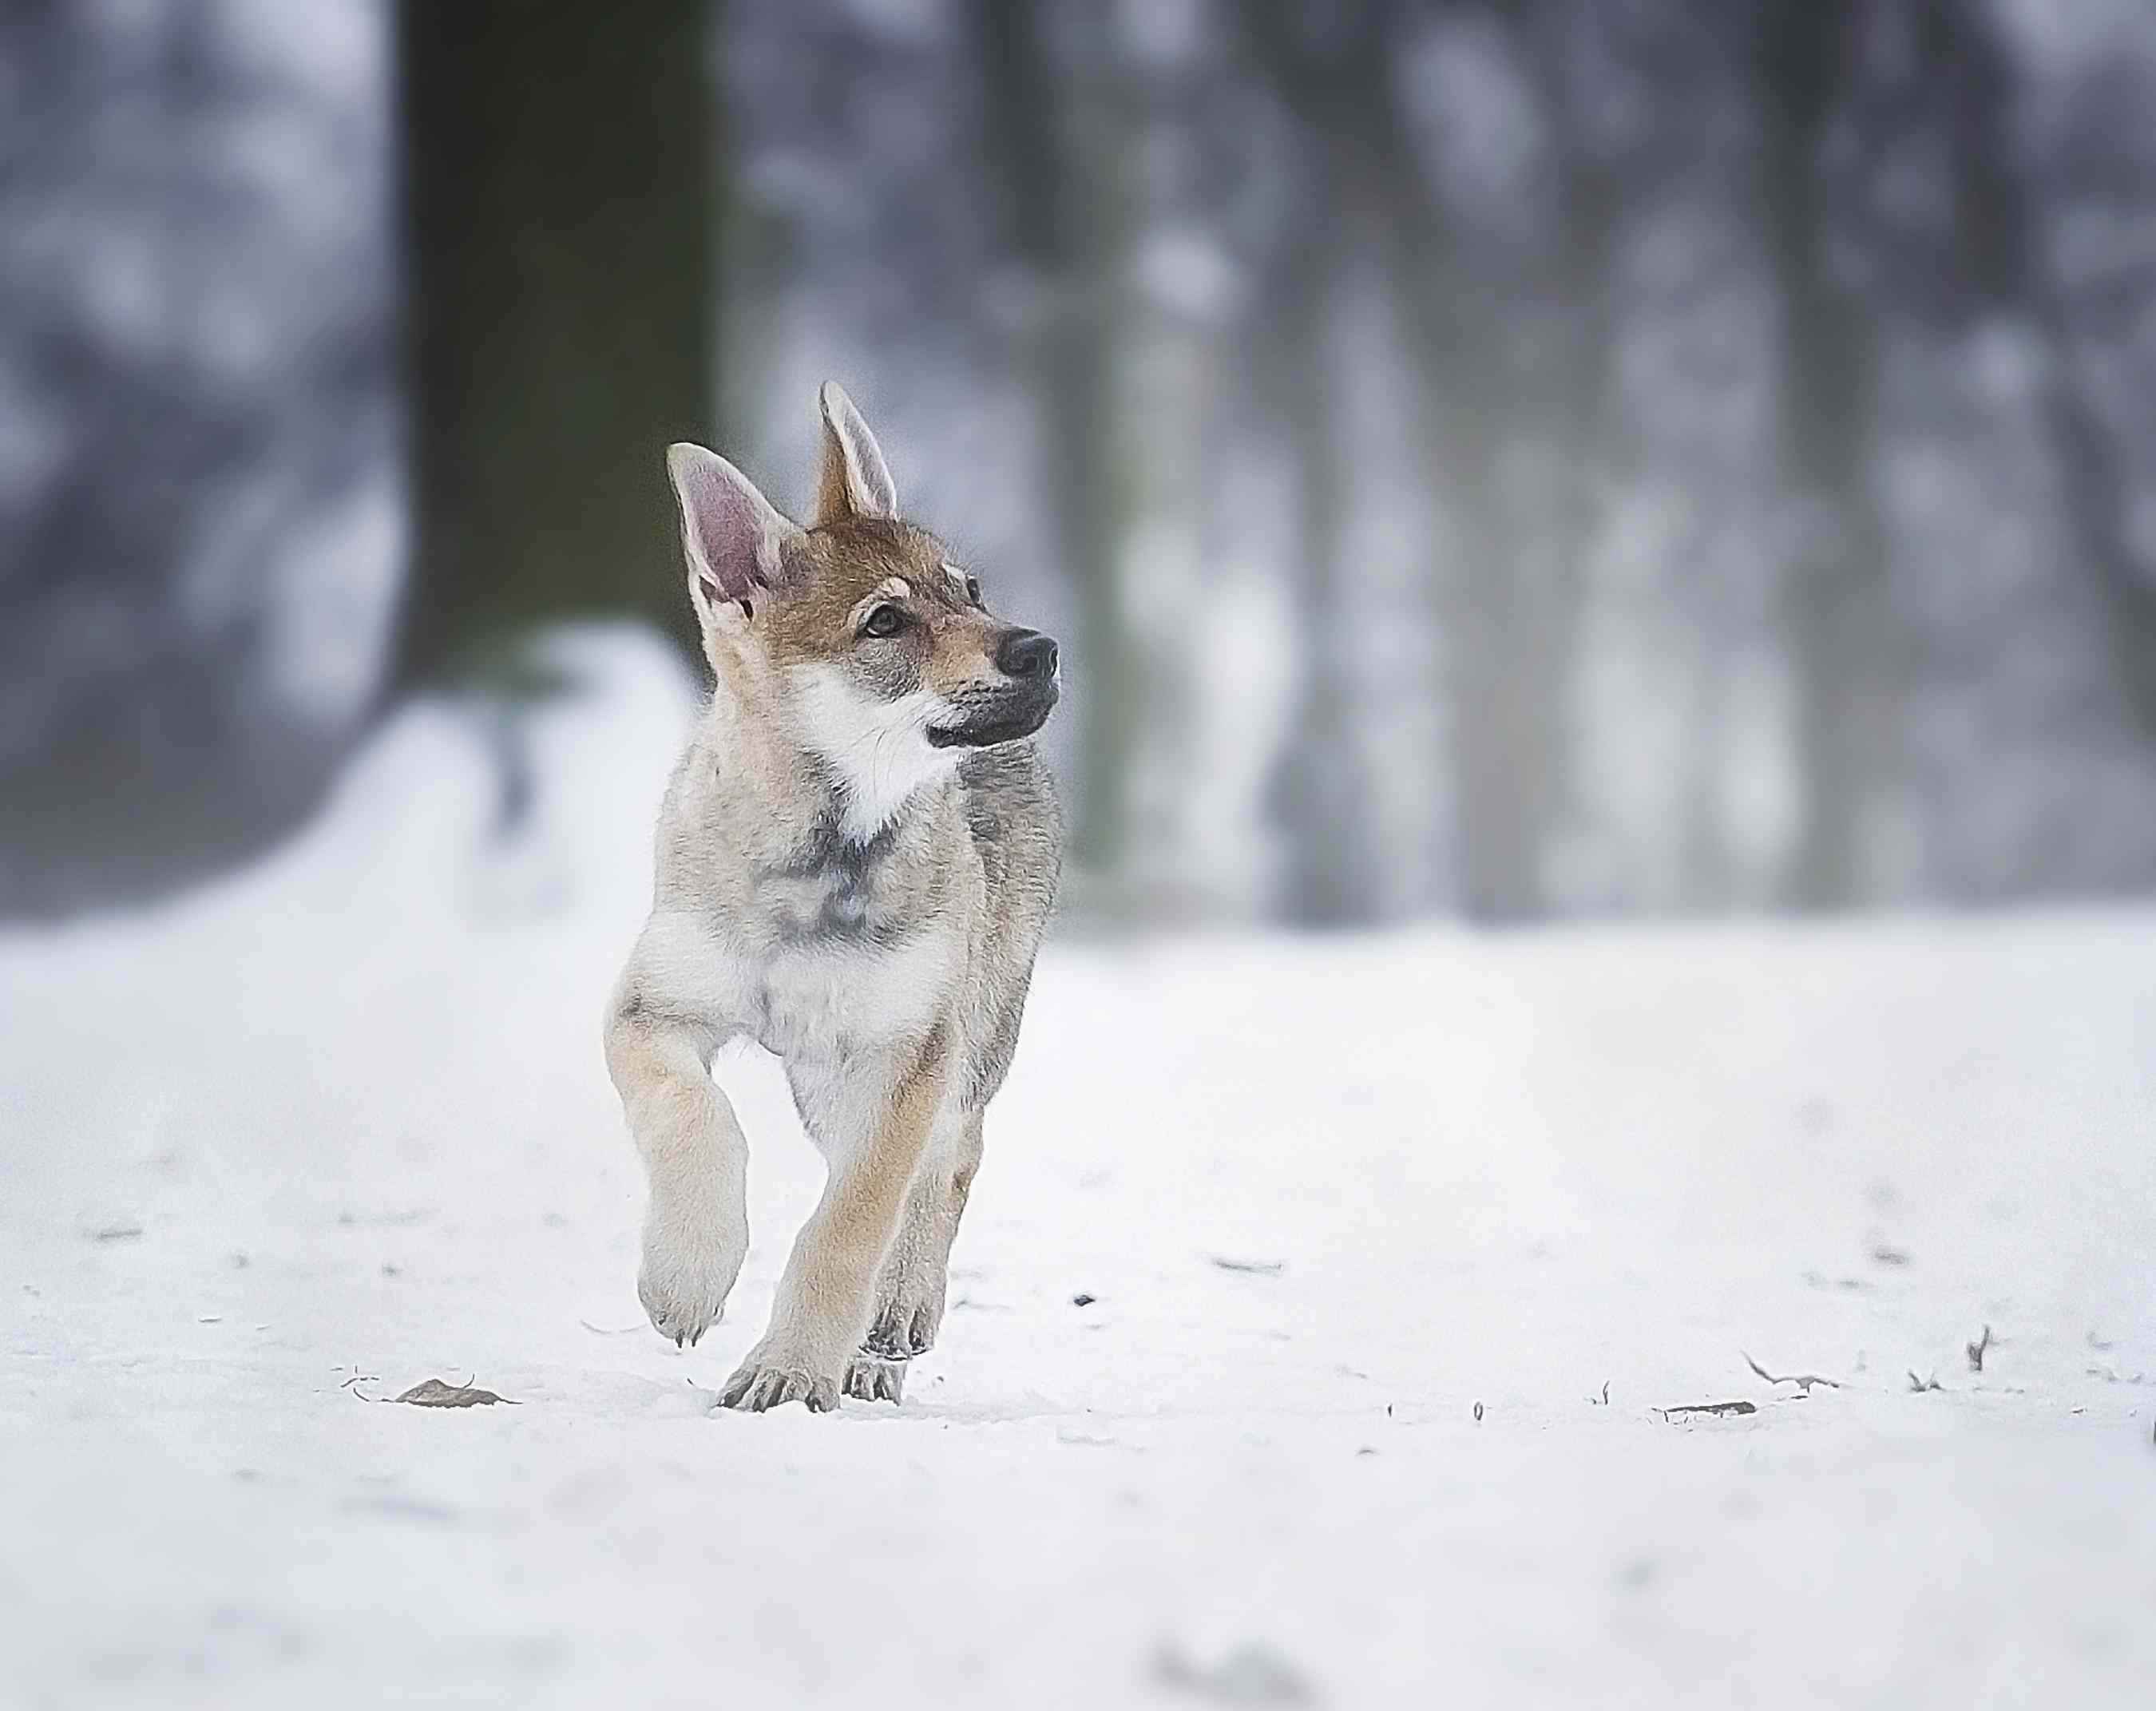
pixel 872 1379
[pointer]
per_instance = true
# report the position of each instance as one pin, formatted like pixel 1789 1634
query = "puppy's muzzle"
pixel 1029 664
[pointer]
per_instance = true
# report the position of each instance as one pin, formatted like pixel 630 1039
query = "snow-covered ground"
pixel 284 1149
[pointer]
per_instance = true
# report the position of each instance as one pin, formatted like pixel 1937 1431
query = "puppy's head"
pixel 862 633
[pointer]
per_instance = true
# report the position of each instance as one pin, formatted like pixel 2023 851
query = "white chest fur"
pixel 820 1002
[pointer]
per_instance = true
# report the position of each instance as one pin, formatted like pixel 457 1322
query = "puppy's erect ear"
pixel 732 533
pixel 854 480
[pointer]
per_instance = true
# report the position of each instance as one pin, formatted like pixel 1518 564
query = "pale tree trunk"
pixel 1168 297
pixel 1045 131
pixel 1828 380
pixel 1504 329
pixel 1324 787
pixel 2004 252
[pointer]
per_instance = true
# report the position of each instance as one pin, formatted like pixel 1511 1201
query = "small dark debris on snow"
pixel 439 1393
pixel 2102 1345
pixel 1975 1350
pixel 1820 1280
pixel 1602 1400
pixel 1716 1409
pixel 240 1262
pixel 1920 1384
pixel 1252 1267
pixel 118 1231
pixel 1883 1254
pixel 1252 1674
pixel 1478 1413
pixel 1803 1380
pixel 1082 1299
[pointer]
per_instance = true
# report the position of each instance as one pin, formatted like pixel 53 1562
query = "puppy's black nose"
pixel 1026 654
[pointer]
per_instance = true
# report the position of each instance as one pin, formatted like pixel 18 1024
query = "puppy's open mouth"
pixel 1005 721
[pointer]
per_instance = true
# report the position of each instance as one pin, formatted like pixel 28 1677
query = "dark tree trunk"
pixel 1827 385
pixel 559 221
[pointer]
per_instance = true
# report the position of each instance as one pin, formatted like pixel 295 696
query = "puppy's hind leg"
pixel 912 1287
pixel 695 1226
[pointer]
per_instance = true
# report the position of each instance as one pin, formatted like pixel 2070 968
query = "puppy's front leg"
pixel 825 1294
pixel 695 1228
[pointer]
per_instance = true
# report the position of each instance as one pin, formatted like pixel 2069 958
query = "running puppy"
pixel 856 860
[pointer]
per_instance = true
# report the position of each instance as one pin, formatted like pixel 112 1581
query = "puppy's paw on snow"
pixel 871 1378
pixel 763 1382
pixel 903 1327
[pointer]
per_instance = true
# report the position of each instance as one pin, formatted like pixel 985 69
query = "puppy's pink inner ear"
pixel 731 533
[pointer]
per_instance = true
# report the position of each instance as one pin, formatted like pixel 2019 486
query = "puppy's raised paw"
pixel 685 1279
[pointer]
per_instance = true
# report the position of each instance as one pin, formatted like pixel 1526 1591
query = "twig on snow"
pixel 1715 1408
pixel 1803 1380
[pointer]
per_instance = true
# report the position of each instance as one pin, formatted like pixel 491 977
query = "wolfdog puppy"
pixel 856 860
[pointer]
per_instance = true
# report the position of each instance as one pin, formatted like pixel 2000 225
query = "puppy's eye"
pixel 884 620
pixel 973 589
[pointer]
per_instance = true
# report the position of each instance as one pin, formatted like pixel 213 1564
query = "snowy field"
pixel 283 1150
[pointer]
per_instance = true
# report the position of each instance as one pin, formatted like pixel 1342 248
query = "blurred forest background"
pixel 1505 457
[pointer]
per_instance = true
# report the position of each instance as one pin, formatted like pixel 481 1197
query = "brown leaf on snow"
pixel 438 1393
